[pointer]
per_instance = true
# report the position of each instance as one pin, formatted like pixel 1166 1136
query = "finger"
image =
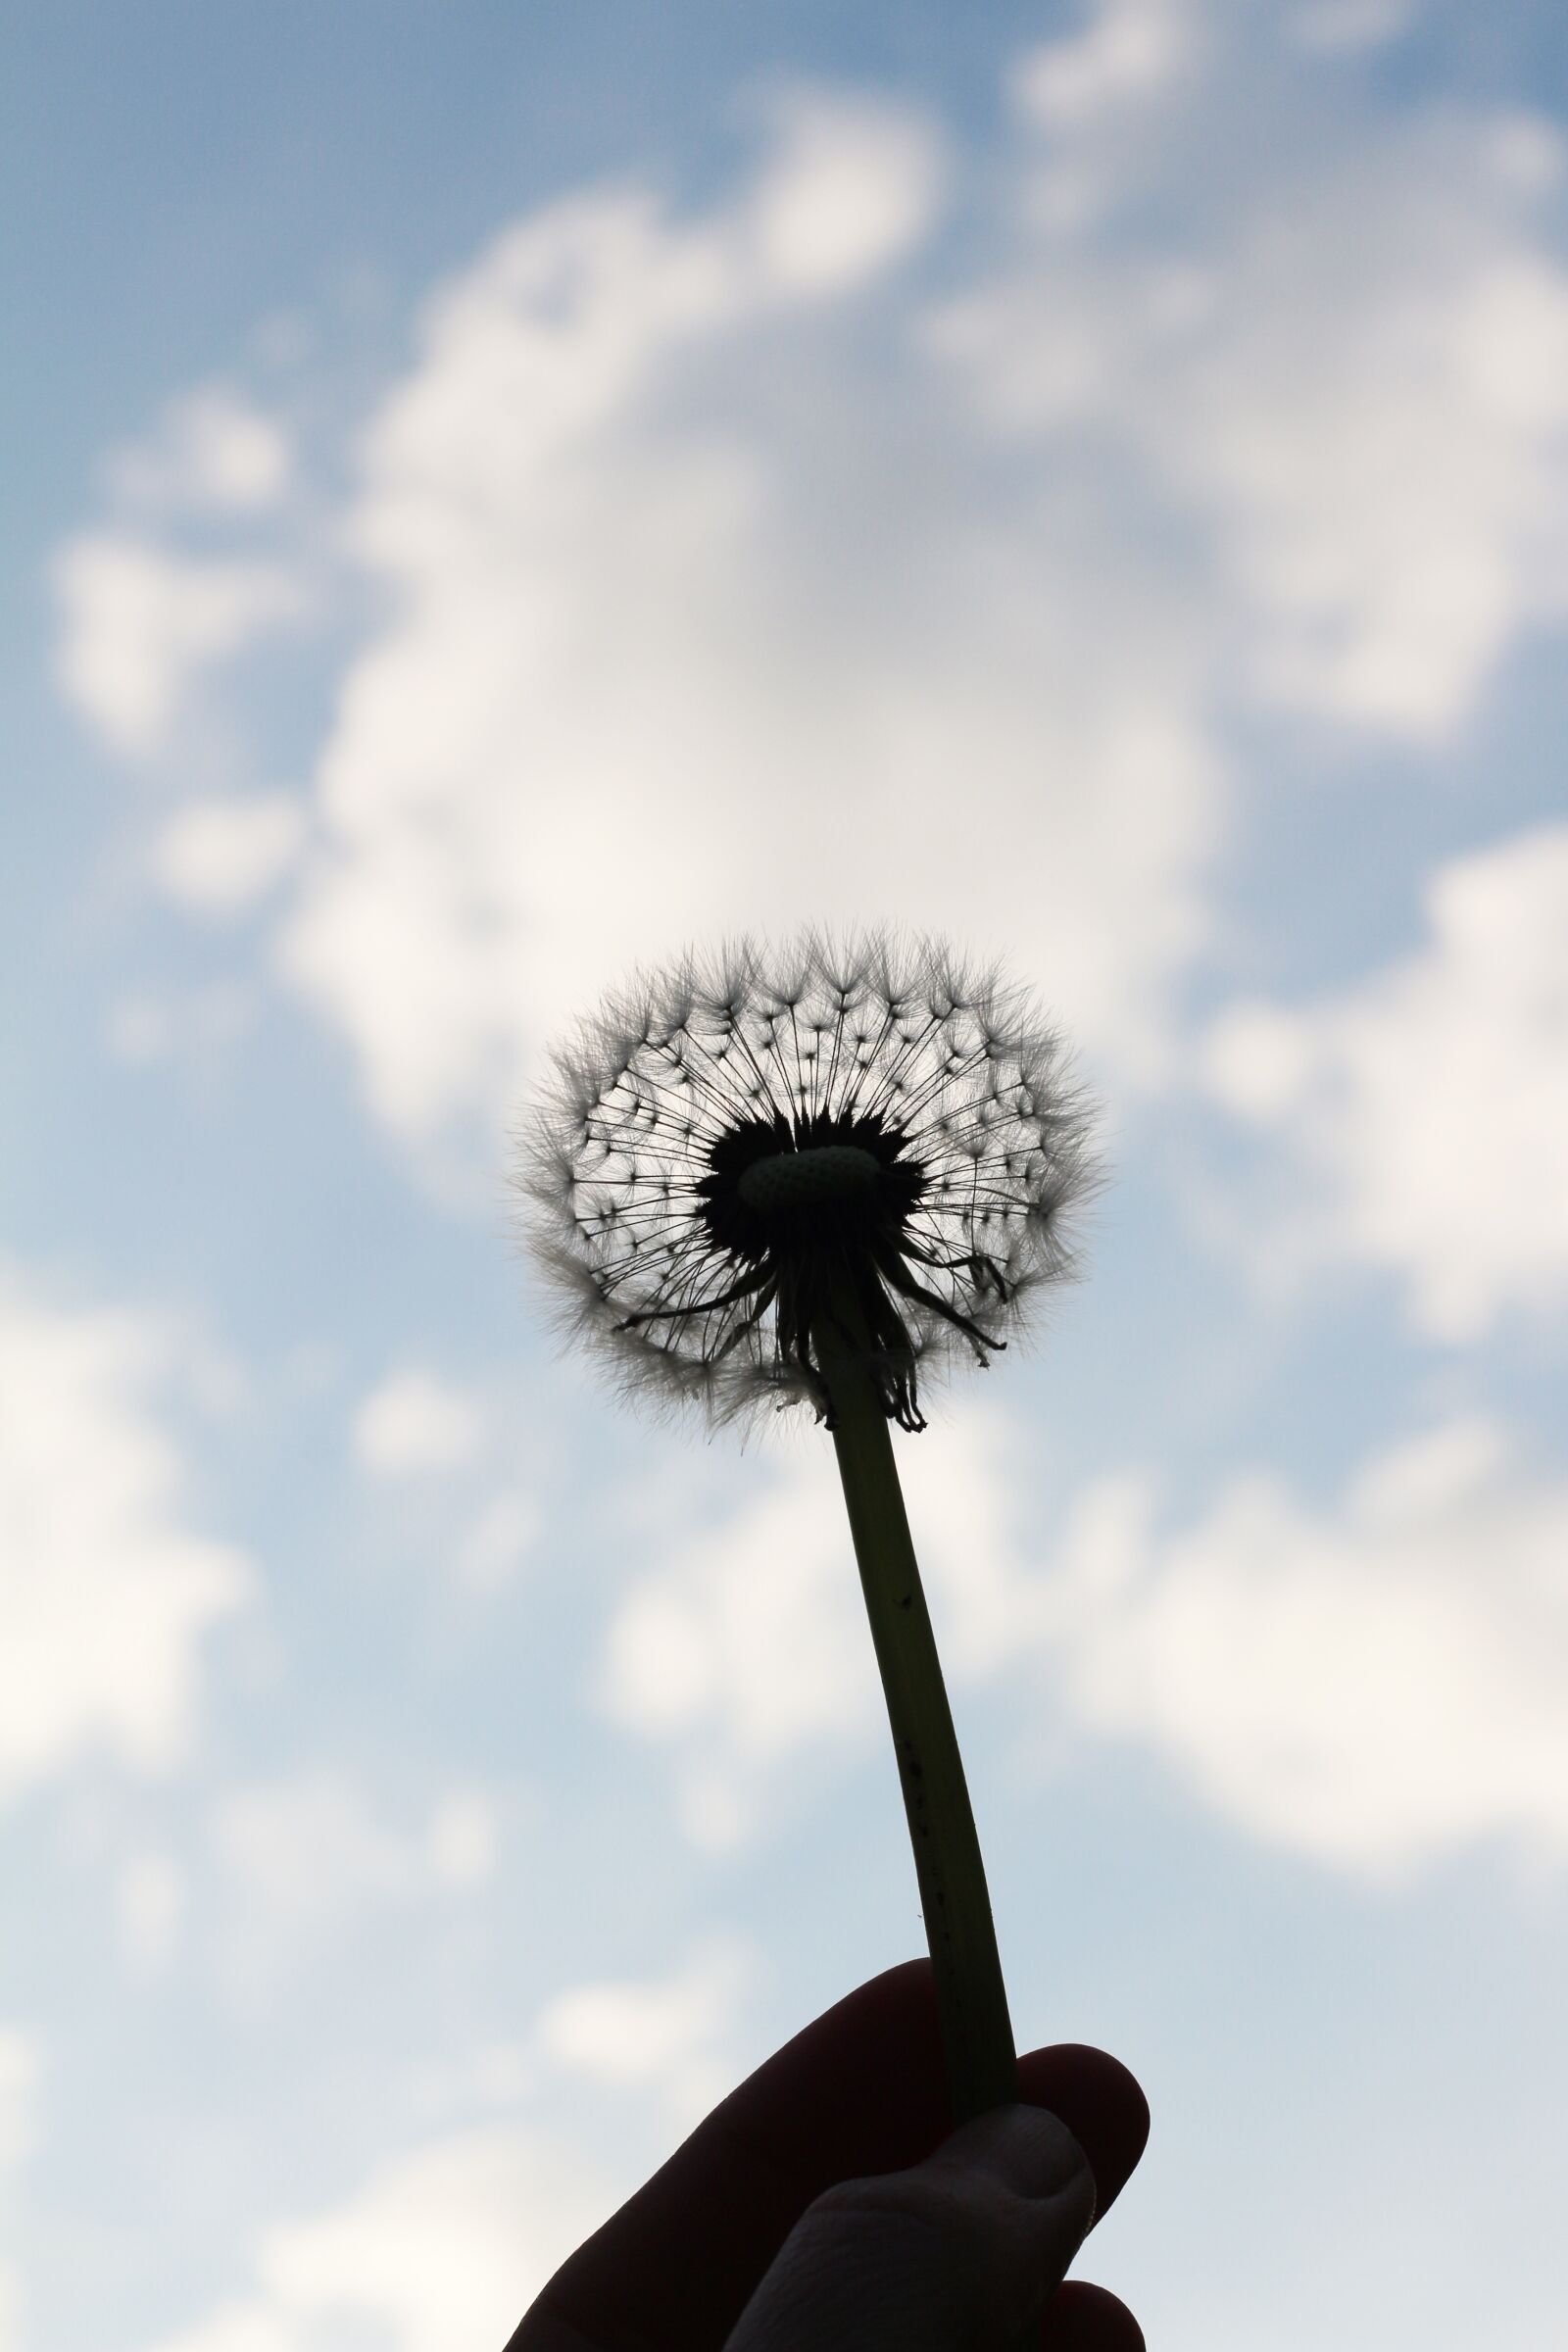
pixel 1080 2318
pixel 859 2092
pixel 959 2250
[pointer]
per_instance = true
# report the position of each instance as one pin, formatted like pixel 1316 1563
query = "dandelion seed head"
pixel 741 1162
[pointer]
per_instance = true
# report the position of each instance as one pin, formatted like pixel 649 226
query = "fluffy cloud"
pixel 105 1591
pixel 1373 1686
pixel 216 856
pixel 1429 1100
pixel 215 451
pixel 774 559
pixel 20 2065
pixel 746 1643
pixel 308 1859
pixel 139 622
pixel 1339 354
pixel 412 1421
pixel 667 2035
pixel 447 2244
pixel 688 628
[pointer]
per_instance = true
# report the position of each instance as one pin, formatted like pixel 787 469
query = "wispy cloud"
pixel 1424 1107
pixel 107 1592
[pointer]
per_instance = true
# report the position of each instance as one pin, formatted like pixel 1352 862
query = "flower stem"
pixel 972 2000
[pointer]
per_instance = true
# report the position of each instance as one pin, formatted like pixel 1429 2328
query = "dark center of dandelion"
pixel 827 1172
pixel 776 1193
pixel 813 1215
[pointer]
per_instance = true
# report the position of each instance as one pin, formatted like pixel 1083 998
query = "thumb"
pixel 958 2252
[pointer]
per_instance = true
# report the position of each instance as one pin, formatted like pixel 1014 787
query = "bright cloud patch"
pixel 748 1646
pixel 218 856
pixel 667 2036
pixel 138 623
pixel 1431 1099
pixel 307 1860
pixel 445 2245
pixel 1374 1686
pixel 778 554
pixel 21 2066
pixel 1341 354
pixel 415 1421
pixel 686 626
pixel 215 451
pixel 104 1590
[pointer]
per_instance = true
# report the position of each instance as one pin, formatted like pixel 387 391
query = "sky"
pixel 500 496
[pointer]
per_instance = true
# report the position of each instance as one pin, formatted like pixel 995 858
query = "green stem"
pixel 972 2000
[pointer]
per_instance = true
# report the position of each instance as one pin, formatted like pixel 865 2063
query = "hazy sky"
pixel 499 494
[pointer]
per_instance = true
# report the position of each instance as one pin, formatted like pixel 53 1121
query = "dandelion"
pixel 821 1179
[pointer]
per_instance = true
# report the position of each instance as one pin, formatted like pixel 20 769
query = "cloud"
pixel 1376 1687
pixel 215 452
pixel 412 1422
pixel 200 1027
pixel 788 555
pixel 1128 52
pixel 1425 1107
pixel 139 622
pixel 21 2069
pixel 1340 355
pixel 852 188
pixel 150 1902
pixel 105 1591
pixel 746 1644
pixel 667 2035
pixel 216 856
pixel 686 629
pixel 499 1540
pixel 1336 26
pixel 446 2245
pixel 1375 1683
pixel 307 1860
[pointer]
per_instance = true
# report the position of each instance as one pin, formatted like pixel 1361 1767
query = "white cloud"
pixel 462 1840
pixel 412 1421
pixel 1340 25
pixel 445 2245
pixel 851 190
pixel 219 855
pixel 727 576
pixel 307 1860
pixel 499 1540
pixel 668 2036
pixel 215 452
pixel 747 1643
pixel 1127 53
pixel 1375 1687
pixel 139 622
pixel 21 2069
pixel 1343 358
pixel 200 1027
pixel 1428 1100
pixel 150 1901
pixel 678 596
pixel 104 1592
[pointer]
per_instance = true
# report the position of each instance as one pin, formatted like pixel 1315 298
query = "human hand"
pixel 824 2206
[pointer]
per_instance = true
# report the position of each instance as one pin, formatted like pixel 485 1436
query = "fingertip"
pixel 1080 2318
pixel 1102 2103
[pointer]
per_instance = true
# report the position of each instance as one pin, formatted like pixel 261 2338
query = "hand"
pixel 823 2206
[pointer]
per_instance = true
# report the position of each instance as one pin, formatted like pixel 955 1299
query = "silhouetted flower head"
pixel 741 1160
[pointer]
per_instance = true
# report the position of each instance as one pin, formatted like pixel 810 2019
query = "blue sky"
pixel 497 495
